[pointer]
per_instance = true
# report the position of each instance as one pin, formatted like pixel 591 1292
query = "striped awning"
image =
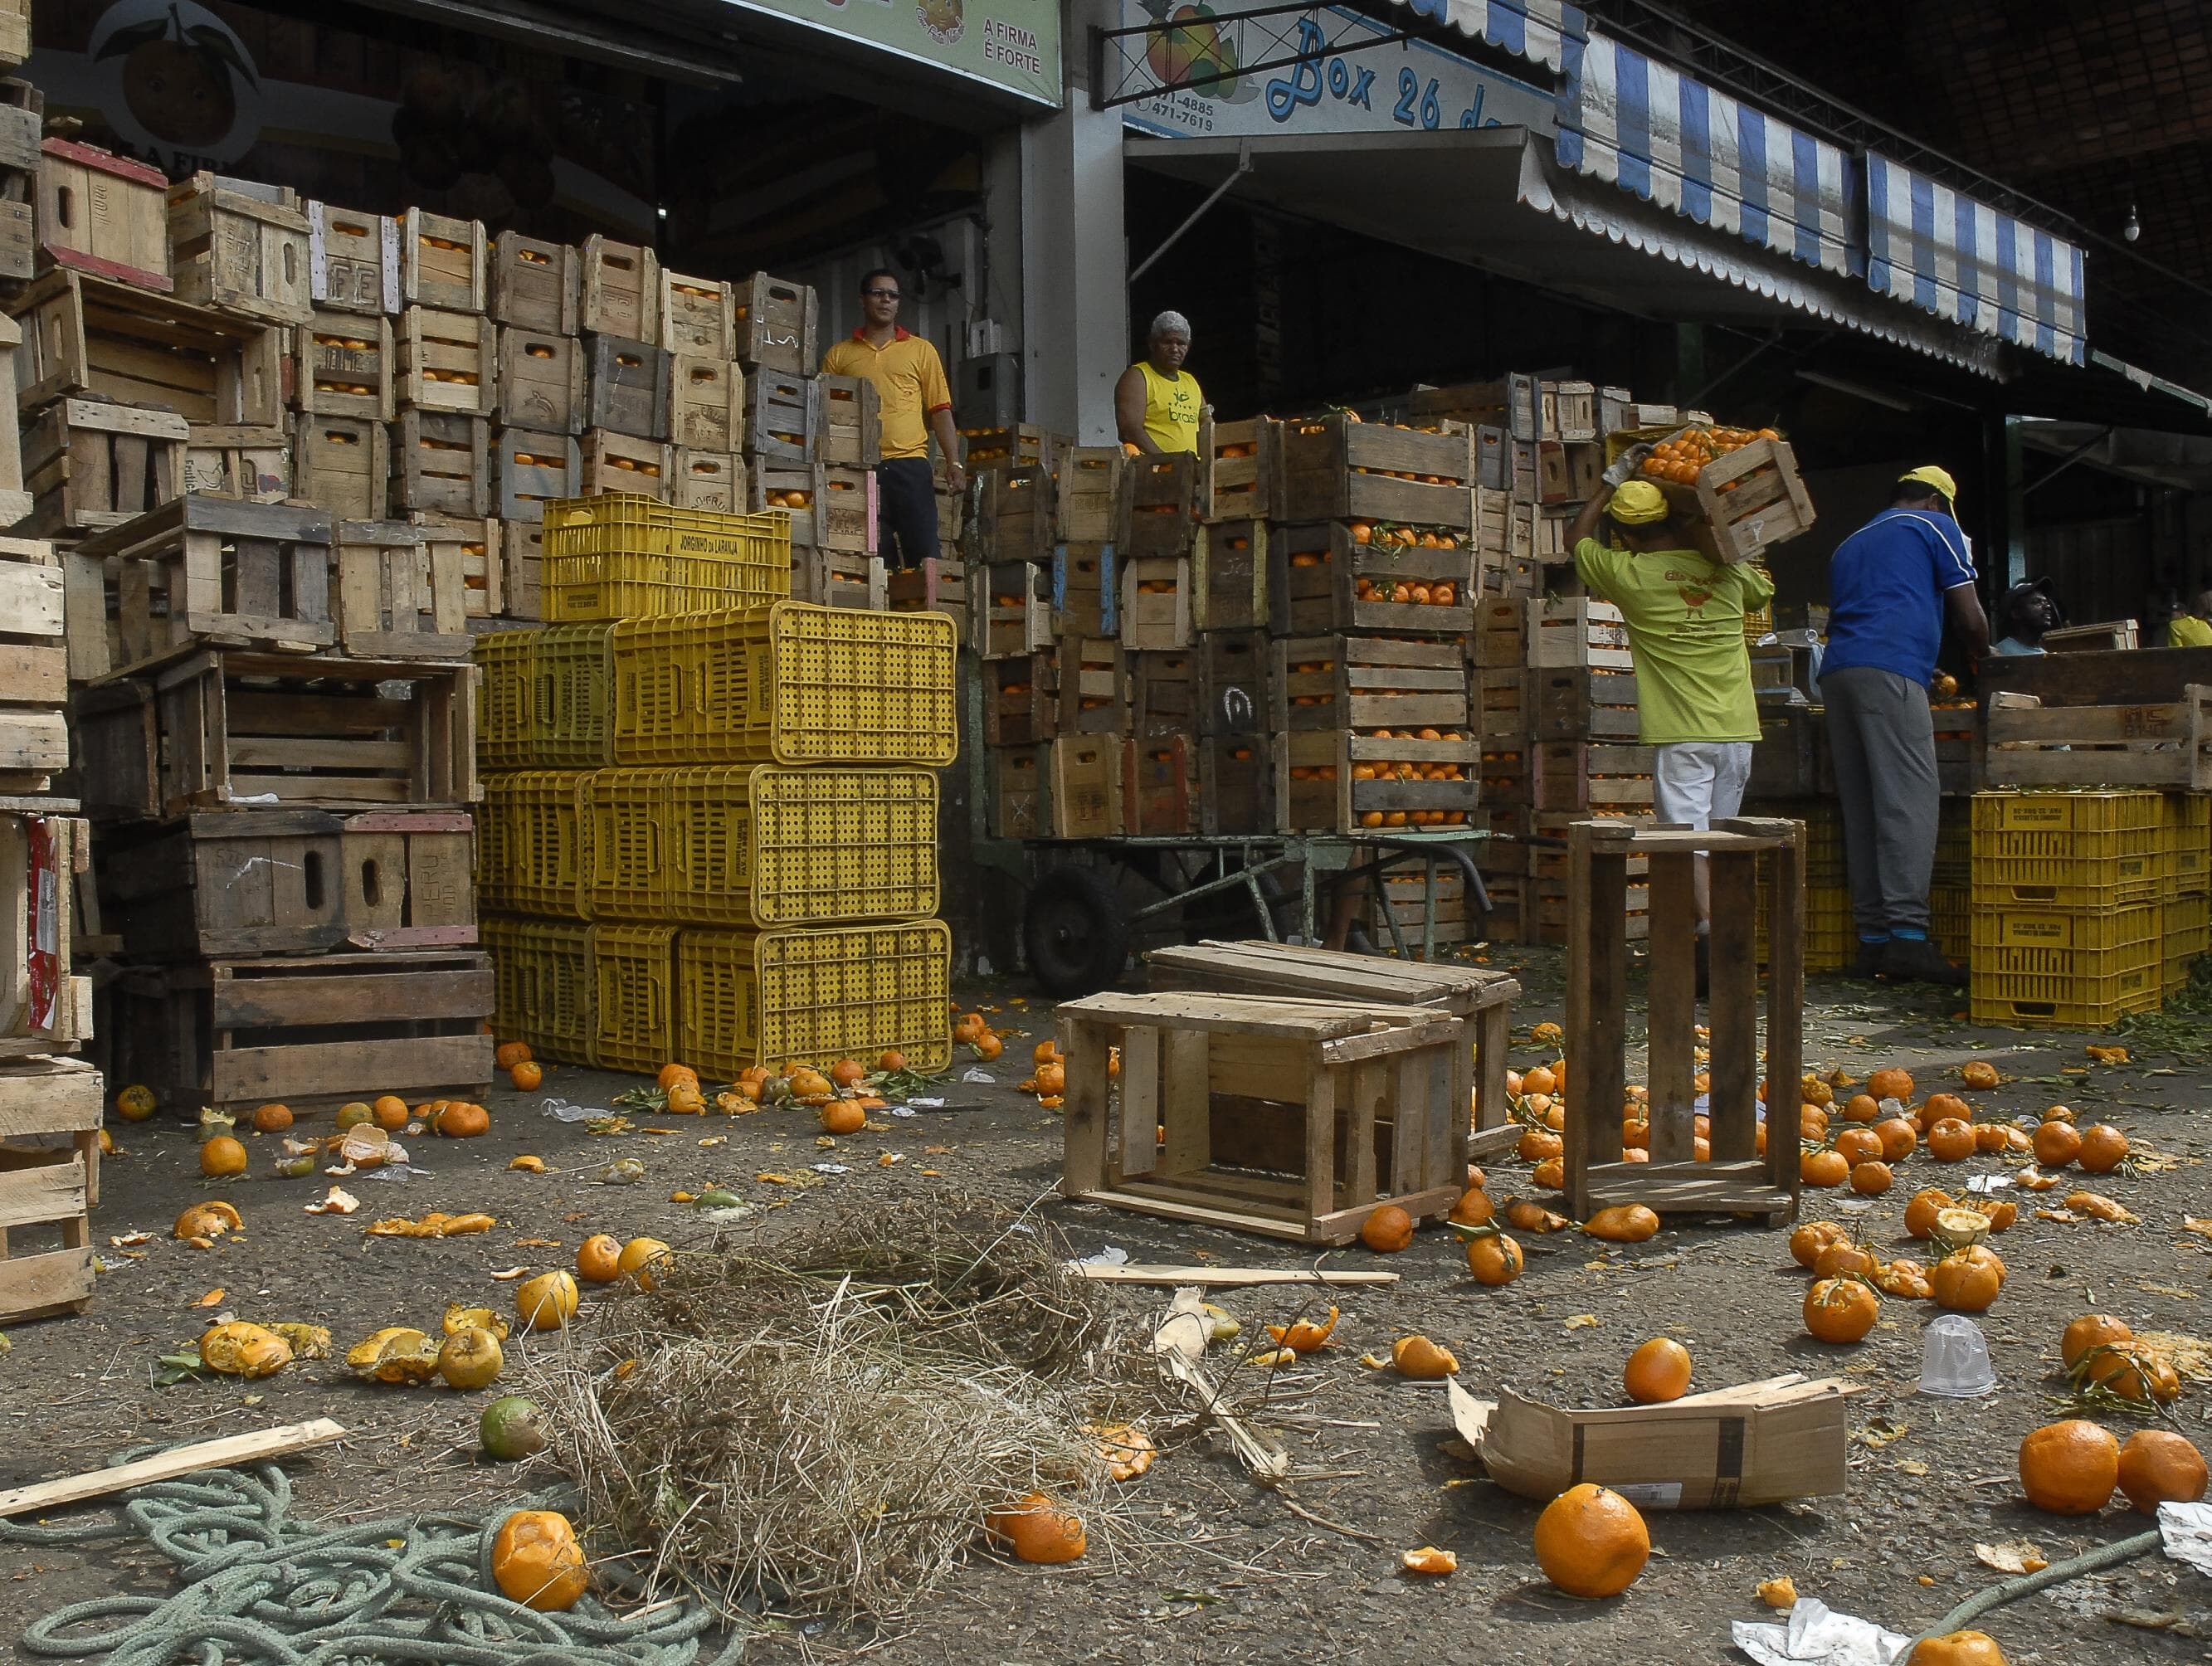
pixel 1677 143
pixel 1963 260
pixel 1537 30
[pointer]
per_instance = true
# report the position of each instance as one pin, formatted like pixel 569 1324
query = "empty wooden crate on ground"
pixel 1292 1118
pixel 1484 1000
pixel 50 1113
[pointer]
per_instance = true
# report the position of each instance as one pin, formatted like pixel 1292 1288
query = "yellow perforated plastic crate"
pixel 2066 850
pixel 621 555
pixel 633 997
pixel 816 996
pixel 530 843
pixel 791 684
pixel 2185 843
pixel 543 969
pixel 2062 1001
pixel 627 845
pixel 572 676
pixel 503 700
pixel 766 846
pixel 2188 935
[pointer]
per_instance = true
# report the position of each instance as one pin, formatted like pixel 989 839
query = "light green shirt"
pixel 2187 630
pixel 1685 618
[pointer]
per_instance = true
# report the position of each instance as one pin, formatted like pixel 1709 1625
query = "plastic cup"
pixel 1954 1359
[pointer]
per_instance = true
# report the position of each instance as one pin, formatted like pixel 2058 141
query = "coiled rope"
pixel 261 1589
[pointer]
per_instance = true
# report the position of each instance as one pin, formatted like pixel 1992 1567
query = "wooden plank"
pixel 257 1447
pixel 1186 1102
pixel 392 995
pixel 1321 1138
pixel 33 1286
pixel 306 1070
pixel 48 1192
pixel 1732 1010
pixel 1148 1197
pixel 1673 1008
pixel 1786 994
pixel 1140 1103
pixel 1083 1117
pixel 1228 1278
pixel 48 1096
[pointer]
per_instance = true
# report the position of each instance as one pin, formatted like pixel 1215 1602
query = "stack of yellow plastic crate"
pixel 712 829
pixel 2068 930
pixel 2185 863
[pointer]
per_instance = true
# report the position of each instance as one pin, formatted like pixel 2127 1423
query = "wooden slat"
pixel 1733 1008
pixel 259 1447
pixel 1141 1105
pixel 1672 1007
pixel 47 1192
pixel 306 1070
pixel 1083 1116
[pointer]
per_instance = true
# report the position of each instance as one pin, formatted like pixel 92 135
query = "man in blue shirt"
pixel 1891 586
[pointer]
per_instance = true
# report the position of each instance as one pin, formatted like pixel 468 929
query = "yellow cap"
pixel 1638 503
pixel 1929 475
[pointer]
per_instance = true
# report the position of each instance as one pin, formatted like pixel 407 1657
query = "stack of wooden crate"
pixel 746 878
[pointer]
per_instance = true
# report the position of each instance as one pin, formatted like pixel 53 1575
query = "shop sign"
pixel 1408 86
pixel 1014 44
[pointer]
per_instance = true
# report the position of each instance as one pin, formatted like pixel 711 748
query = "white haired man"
pixel 1156 403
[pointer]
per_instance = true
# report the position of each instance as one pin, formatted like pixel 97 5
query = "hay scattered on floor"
pixel 820 1427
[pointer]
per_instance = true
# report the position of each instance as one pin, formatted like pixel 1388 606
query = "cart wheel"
pixel 1076 931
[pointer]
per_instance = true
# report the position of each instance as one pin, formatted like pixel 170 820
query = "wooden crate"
pixel 440 464
pixel 1085 600
pixel 240 247
pixel 852 424
pixel 1242 469
pixel 44 1006
pixel 1338 1109
pixel 705 402
pixel 1233 671
pixel 1356 683
pixel 471 543
pixel 1500 638
pixel 1576 705
pixel 1501 703
pixel 1018 779
pixel 1320 785
pixel 1229 576
pixel 1093 700
pixel 88 335
pixel 1322 578
pixel 14 32
pixel 1743 859
pixel 104 213
pixel 2165 743
pixel 620 289
pixel 234 1033
pixel 522 567
pixel 938 586
pixel 342 366
pixel 1086 786
pixel 541 381
pixel 215 730
pixel 1157 515
pixel 1745 502
pixel 778 322
pixel 200 569
pixel 1089 493
pixel 845 510
pixel 1017 445
pixel 1577 632
pixel 837 578
pixel 241 460
pixel 1236 790
pixel 343 465
pixel 353 260
pixel 441 261
pixel 1336 469
pixel 533 470
pixel 269 882
pixel 1482 1000
pixel 535 286
pixel 611 462
pixel 447 362
pixel 1021 700
pixel 1155 611
pixel 90 464
pixel 1013 610
pixel 712 480
pixel 783 418
pixel 393 599
pixel 1015 510
pixel 1159 784
pixel 1164 692
pixel 1600 777
pixel 625 386
pixel 14 499
pixel 697 315
pixel 50 1109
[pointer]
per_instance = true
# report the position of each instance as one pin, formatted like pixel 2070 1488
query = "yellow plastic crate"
pixel 543 969
pixel 2188 935
pixel 789 683
pixel 572 675
pixel 503 701
pixel 2128 816
pixel 2065 1002
pixel 628 843
pixel 2185 843
pixel 621 556
pixel 2086 930
pixel 530 843
pixel 767 847
pixel 2067 849
pixel 1950 915
pixel 633 997
pixel 813 997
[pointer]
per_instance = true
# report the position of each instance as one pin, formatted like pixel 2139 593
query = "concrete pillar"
pixel 1075 303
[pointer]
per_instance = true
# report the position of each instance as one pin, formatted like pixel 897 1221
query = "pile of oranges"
pixel 1443 593
pixel 1680 458
pixel 1388 535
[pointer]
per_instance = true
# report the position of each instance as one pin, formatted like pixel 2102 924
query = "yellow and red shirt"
pixel 910 384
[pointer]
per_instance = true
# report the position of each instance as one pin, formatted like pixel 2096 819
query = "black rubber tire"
pixel 1075 932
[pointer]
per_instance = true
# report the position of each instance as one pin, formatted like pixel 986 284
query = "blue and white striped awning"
pixel 1677 143
pixel 1960 259
pixel 1537 30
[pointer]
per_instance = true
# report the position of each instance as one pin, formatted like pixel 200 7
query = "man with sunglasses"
pixel 914 401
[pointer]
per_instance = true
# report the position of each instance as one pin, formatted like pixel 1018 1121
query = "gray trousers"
pixel 1882 741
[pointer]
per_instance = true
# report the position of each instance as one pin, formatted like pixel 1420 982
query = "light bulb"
pixel 2133 229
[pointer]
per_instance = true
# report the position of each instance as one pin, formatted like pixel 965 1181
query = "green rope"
pixel 2027 1584
pixel 260 1590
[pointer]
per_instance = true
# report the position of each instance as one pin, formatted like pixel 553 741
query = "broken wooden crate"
pixel 237 1033
pixel 268 882
pixel 240 729
pixel 90 464
pixel 211 570
pixel 394 598
pixel 44 1006
pixel 1292 1118
pixel 49 1117
pixel 1744 857
pixel 1484 1000
pixel 2165 743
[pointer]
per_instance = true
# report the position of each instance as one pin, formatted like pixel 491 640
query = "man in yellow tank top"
pixel 1156 403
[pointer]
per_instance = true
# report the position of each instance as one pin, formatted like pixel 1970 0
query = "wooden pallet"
pixel 267 882
pixel 1287 1118
pixel 47 1186
pixel 237 1032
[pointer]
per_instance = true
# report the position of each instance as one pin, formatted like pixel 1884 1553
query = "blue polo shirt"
pixel 1885 585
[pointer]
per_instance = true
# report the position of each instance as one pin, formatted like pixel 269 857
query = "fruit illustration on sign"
pixel 177 77
pixel 1193 48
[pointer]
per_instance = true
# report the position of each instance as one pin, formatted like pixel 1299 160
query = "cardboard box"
pixel 1758 1443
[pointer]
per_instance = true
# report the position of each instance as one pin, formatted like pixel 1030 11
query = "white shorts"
pixel 1695 783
